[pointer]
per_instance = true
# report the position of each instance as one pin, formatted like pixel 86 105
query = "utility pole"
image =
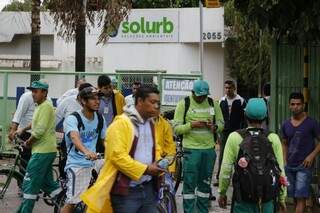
pixel 201 39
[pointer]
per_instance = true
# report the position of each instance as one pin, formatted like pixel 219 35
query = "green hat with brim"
pixel 38 85
pixel 256 109
pixel 200 88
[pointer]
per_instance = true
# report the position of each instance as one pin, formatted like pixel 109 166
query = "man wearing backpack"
pixel 82 129
pixel 298 138
pixel 67 106
pixel 197 121
pixel 258 163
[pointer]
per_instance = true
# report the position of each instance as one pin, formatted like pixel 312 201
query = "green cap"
pixel 256 109
pixel 200 88
pixel 38 85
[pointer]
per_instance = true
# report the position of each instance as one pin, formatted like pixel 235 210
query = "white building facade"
pixel 149 40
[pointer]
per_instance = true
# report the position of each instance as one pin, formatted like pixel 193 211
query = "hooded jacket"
pixel 164 137
pixel 117 102
pixel 118 143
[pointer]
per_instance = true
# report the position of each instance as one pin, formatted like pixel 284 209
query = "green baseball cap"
pixel 38 85
pixel 256 109
pixel 200 88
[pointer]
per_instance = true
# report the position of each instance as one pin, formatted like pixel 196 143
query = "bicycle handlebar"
pixel 99 156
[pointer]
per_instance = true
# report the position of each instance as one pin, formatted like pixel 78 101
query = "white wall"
pixel 176 58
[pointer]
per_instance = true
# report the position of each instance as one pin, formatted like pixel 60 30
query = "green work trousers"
pixel 243 207
pixel 38 176
pixel 197 174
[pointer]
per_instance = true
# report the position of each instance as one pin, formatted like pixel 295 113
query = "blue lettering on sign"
pixel 173 98
pixel 179 85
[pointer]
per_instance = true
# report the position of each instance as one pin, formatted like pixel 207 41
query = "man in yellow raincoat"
pixel 127 182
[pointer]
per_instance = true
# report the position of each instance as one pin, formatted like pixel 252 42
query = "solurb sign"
pixel 143 26
pixel 149 26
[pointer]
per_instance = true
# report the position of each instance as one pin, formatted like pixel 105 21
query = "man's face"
pixel 296 106
pixel 150 106
pixel 229 90
pixel 92 103
pixel 106 90
pixel 134 88
pixel 199 99
pixel 39 95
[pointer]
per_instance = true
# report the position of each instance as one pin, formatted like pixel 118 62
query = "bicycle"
pixel 79 207
pixel 178 159
pixel 11 178
pixel 9 172
pixel 167 202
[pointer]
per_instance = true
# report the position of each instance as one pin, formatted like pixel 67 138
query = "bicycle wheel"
pixel 60 201
pixel 161 208
pixel 10 183
pixel 178 173
pixel 80 208
pixel 170 202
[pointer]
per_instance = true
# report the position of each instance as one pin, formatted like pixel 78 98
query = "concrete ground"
pixel 11 201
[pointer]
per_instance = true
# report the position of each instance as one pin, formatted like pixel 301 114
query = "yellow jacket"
pixel 118 99
pixel 118 144
pixel 164 137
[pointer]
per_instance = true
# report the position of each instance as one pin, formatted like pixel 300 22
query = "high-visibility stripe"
pixel 55 192
pixel 30 196
pixel 225 176
pixel 227 165
pixel 203 195
pixel 189 196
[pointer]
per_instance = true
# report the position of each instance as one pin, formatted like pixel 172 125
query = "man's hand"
pixel 198 124
pixel 212 126
pixel 222 201
pixel 28 144
pixel 283 207
pixel 90 155
pixel 308 161
pixel 11 135
pixel 154 170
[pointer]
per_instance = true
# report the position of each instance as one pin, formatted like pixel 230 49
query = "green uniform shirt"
pixel 230 157
pixel 197 138
pixel 43 129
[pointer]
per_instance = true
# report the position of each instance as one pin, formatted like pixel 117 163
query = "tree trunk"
pixel 81 41
pixel 35 38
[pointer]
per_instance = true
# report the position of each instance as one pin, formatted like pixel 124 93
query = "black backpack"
pixel 63 146
pixel 259 181
pixel 186 108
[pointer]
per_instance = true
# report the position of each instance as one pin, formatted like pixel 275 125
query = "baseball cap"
pixel 89 92
pixel 38 85
pixel 256 109
pixel 200 88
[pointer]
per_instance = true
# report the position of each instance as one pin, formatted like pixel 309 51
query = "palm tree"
pixel 72 24
pixel 35 38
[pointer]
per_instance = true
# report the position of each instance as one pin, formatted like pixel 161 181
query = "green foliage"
pixel 18 6
pixel 164 3
pixel 22 6
pixel 247 49
pixel 298 21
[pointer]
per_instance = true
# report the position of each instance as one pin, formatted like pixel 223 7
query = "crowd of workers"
pixel 133 136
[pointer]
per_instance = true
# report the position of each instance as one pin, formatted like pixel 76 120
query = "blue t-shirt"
pixel 88 138
pixel 106 109
pixel 301 139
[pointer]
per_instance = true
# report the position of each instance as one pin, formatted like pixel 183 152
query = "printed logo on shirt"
pixel 88 136
pixel 207 110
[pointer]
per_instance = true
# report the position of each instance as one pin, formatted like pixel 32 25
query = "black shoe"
pixel 212 198
pixel 216 184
